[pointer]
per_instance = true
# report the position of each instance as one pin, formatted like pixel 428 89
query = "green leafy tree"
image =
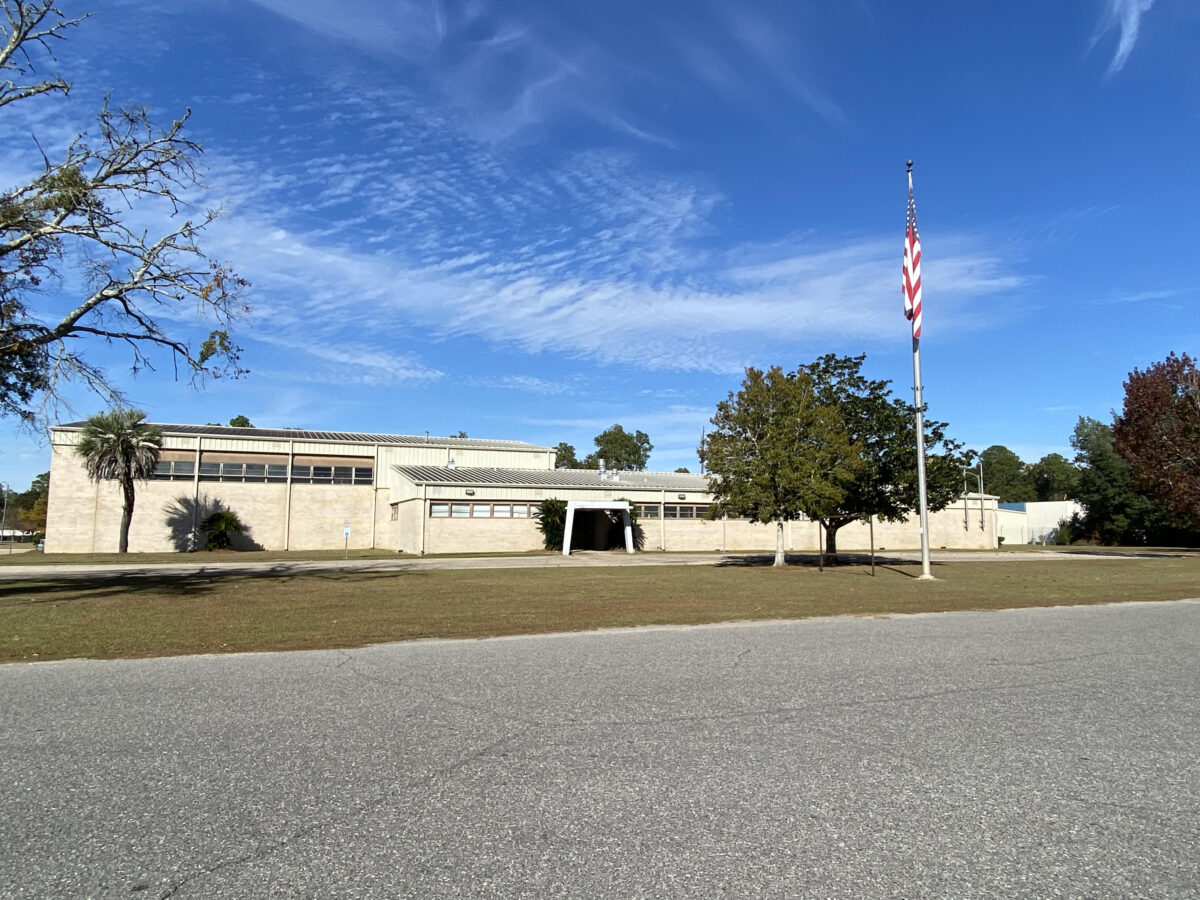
pixel 240 422
pixel 1054 478
pixel 33 516
pixel 683 470
pixel 1115 512
pixel 80 220
pixel 883 431
pixel 551 517
pixel 29 507
pixel 120 445
pixel 1158 434
pixel 1006 476
pixel 220 528
pixel 620 449
pixel 775 452
pixel 565 456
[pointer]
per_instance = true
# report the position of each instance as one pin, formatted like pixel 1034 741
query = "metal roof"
pixel 550 478
pixel 345 437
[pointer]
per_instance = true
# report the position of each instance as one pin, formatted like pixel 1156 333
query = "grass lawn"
pixel 228 556
pixel 134 616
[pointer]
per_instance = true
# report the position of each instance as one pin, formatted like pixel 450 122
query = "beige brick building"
pixel 303 490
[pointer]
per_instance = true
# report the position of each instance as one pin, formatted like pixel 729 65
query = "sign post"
pixel 346 535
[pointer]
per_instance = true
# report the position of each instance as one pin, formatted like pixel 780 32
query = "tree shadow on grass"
pixel 93 586
pixel 845 560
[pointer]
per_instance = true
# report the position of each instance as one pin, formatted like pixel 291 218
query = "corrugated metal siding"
pixel 345 437
pixel 232 445
pixel 309 448
pixel 517 494
pixel 437 457
pixel 415 456
pixel 501 459
pixel 584 479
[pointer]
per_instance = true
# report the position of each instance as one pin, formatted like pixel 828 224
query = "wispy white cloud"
pixel 413 29
pixel 529 384
pixel 1124 17
pixel 1149 296
pixel 589 255
pixel 345 364
pixel 505 70
pixel 774 49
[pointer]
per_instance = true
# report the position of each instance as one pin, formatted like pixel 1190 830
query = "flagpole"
pixel 920 404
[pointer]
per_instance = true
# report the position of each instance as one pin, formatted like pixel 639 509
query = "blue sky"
pixel 533 220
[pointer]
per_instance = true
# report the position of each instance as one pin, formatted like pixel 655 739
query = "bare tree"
pixel 80 213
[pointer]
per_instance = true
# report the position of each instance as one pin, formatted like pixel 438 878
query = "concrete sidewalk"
pixel 582 559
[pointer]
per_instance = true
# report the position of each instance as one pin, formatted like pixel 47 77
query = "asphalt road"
pixel 1032 753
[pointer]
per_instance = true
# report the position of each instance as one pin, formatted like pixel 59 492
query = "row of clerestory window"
pixel 185 470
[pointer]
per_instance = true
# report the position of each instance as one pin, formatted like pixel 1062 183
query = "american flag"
pixel 912 267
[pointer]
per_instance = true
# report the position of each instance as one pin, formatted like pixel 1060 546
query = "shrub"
pixel 220 528
pixel 551 517
pixel 1068 531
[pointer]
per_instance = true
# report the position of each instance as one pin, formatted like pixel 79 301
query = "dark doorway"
pixel 593 531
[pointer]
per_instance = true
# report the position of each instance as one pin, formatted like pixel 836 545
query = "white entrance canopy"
pixel 622 505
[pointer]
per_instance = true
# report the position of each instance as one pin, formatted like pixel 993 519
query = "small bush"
pixel 551 517
pixel 1069 530
pixel 220 528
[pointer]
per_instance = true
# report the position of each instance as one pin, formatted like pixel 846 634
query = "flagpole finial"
pixel 909 164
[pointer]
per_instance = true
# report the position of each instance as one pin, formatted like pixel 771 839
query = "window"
pixel 647 510
pixel 670 512
pixel 185 470
pixel 328 474
pixel 173 471
pixel 396 512
pixel 686 512
pixel 445 510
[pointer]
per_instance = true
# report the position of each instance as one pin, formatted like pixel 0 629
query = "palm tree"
pixel 119 445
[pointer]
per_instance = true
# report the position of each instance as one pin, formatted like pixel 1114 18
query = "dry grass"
pixel 136 616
